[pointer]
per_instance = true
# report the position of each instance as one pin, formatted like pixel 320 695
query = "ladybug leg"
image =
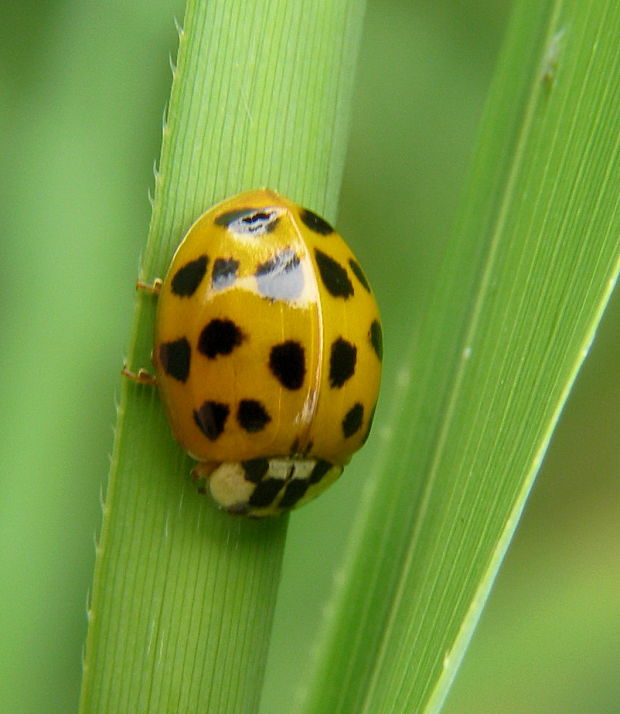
pixel 154 288
pixel 201 472
pixel 139 377
pixel 142 376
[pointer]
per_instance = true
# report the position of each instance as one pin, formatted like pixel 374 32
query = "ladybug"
pixel 267 352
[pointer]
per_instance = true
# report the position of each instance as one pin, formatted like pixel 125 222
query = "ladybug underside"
pixel 266 487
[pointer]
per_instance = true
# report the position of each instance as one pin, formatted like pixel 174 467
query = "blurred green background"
pixel 83 86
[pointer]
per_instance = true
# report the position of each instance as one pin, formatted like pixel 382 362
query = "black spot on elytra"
pixel 376 338
pixel 359 273
pixel 249 221
pixel 370 420
pixel 295 490
pixel 353 420
pixel 315 223
pixel 252 415
pixel 320 469
pixel 219 337
pixel 255 469
pixel 224 273
pixel 175 358
pixel 266 492
pixel 334 276
pixel 281 277
pixel 211 418
pixel 341 362
pixel 187 279
pixel 288 365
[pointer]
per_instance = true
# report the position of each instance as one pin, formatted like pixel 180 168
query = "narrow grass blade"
pixel 529 272
pixel 183 595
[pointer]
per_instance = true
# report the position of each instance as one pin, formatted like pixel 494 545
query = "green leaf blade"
pixel 183 596
pixel 531 269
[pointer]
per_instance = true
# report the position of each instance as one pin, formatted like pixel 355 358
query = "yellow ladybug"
pixel 267 352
